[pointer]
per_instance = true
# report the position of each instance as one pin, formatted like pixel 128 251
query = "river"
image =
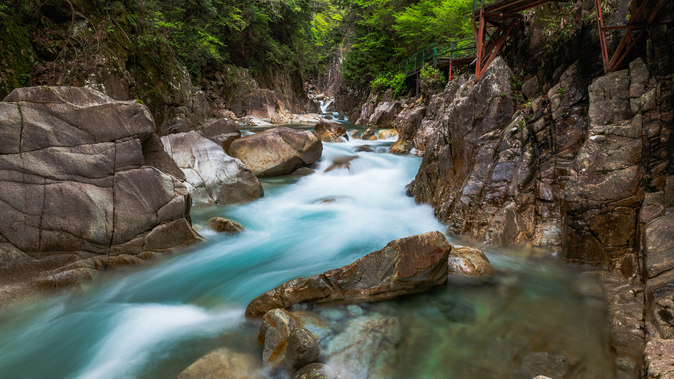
pixel 154 320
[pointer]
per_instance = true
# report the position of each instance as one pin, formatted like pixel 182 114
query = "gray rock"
pixel 302 350
pixel 212 176
pixel 530 87
pixel 277 151
pixel 222 131
pixel 78 193
pixel 385 114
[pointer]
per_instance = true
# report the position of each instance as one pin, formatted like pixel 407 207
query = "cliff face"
pixel 101 46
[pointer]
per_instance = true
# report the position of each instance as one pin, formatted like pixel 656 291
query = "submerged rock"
pixel 341 162
pixel 213 177
pixel 277 151
pixel 405 265
pixel 302 350
pixel 77 193
pixel 366 348
pixel 223 225
pixel 314 371
pixel 330 131
pixel 224 364
pixel 365 148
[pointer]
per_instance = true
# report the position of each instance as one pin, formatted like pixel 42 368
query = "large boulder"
pixel 212 176
pixel 385 114
pixel 408 122
pixel 222 131
pixel 78 194
pixel 330 131
pixel 277 151
pixel 405 265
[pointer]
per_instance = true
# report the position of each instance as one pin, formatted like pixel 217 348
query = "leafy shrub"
pixel 395 82
pixel 432 79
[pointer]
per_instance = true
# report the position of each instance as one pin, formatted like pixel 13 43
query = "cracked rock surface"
pixel 77 193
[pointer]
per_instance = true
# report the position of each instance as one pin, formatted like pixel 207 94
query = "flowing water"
pixel 154 320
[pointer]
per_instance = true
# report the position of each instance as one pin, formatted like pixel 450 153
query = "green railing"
pixel 431 54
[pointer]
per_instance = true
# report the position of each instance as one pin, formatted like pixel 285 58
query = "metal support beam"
pixel 612 63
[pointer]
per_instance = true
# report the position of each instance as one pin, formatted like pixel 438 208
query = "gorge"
pixel 217 212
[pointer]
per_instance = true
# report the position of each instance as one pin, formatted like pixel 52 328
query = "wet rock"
pixel 401 147
pixel 274 332
pixel 387 134
pixel 404 265
pixel 224 364
pixel 303 171
pixel 212 176
pixel 340 163
pixel 365 148
pixel 469 261
pixel 77 193
pixel 330 131
pixel 659 359
pixel 467 173
pixel 314 371
pixel 277 151
pixel 302 350
pixel 369 135
pixel 222 131
pixel 223 225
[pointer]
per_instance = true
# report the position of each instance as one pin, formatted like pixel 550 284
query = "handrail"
pixel 454 50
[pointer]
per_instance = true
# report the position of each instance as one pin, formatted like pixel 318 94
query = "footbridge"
pixel 495 23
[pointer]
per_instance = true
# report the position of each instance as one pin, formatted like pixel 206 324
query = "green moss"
pixel 16 53
pixel 139 101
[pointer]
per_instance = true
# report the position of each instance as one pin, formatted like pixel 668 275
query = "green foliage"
pixel 396 83
pixel 382 33
pixel 432 79
pixel 559 28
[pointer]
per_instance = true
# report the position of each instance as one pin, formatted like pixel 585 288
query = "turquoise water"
pixel 134 324
pixel 154 320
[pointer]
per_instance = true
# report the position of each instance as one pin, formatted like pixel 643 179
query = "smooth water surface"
pixel 153 321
